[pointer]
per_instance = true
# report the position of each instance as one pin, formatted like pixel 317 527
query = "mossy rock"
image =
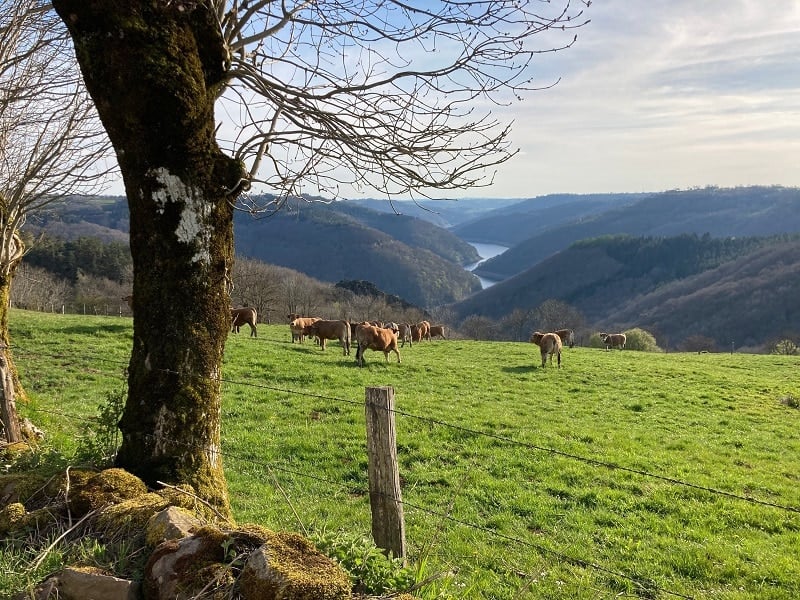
pixel 111 486
pixel 11 517
pixel 174 568
pixel 171 523
pixel 19 487
pixel 14 518
pixel 12 451
pixel 289 566
pixel 130 516
pixel 184 496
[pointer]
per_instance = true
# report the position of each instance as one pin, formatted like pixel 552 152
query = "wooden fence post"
pixel 388 524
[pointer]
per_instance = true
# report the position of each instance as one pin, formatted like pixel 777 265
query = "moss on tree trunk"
pixel 153 69
pixel 10 388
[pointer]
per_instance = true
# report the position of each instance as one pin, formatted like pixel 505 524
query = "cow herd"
pixel 385 337
pixel 367 335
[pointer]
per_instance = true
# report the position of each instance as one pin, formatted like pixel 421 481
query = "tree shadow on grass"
pixel 93 329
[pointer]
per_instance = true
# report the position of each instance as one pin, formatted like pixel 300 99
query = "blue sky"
pixel 664 94
pixel 657 95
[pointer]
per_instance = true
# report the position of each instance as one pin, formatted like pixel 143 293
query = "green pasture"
pixel 623 474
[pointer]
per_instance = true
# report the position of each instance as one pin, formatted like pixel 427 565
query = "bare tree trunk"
pixel 10 386
pixel 153 69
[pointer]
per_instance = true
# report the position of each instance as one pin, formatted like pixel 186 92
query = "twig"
pixel 37 563
pixel 196 497
pixel 288 501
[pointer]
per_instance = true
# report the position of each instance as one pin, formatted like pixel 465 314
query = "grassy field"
pixel 623 474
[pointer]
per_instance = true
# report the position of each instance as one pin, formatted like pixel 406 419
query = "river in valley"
pixel 486 251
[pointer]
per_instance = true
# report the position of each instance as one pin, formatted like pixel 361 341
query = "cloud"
pixel 665 94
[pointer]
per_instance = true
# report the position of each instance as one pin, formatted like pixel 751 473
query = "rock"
pixel 179 569
pixel 289 567
pixel 170 524
pixel 86 584
pixel 111 486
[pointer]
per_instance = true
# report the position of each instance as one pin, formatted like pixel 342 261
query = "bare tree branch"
pixel 51 142
pixel 380 94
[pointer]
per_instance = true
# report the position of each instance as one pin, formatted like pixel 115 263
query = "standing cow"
pixel 330 330
pixel 613 340
pixel 244 316
pixel 549 344
pixel 567 336
pixel 298 325
pixel 370 337
pixel 437 330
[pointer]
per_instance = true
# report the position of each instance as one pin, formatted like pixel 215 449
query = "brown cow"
pixel 421 331
pixel 549 344
pixel 437 330
pixel 567 336
pixel 404 334
pixel 241 316
pixel 330 330
pixel 370 337
pixel 298 326
pixel 613 340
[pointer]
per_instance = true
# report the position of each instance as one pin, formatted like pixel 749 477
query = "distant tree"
pixel 99 295
pixel 519 324
pixel 639 339
pixel 785 347
pixel 256 284
pixel 552 315
pixel 51 144
pixel 477 327
pixel 35 288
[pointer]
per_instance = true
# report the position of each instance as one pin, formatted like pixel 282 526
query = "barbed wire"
pixel 527 445
pixel 541 549
pixel 644 584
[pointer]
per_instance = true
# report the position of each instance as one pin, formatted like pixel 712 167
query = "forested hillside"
pixel 511 225
pixel 332 243
pixel 751 211
pixel 402 255
pixel 741 289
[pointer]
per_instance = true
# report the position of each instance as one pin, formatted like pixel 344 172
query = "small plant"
pixel 370 570
pixel 791 401
pixel 99 439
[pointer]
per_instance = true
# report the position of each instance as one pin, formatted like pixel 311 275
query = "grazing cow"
pixel 437 330
pixel 241 316
pixel 549 344
pixel 298 326
pixel 567 336
pixel 404 334
pixel 370 337
pixel 613 340
pixel 330 330
pixel 129 300
pixel 421 331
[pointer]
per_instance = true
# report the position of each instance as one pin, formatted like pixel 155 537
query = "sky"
pixel 664 94
pixel 659 95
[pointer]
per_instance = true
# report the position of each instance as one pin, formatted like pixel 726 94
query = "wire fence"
pixel 238 460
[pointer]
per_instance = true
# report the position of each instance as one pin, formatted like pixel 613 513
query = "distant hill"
pixel 510 225
pixel 750 211
pixel 404 256
pixel 742 289
pixel 445 213
pixel 331 242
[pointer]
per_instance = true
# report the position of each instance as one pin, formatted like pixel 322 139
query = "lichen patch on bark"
pixel 193 228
